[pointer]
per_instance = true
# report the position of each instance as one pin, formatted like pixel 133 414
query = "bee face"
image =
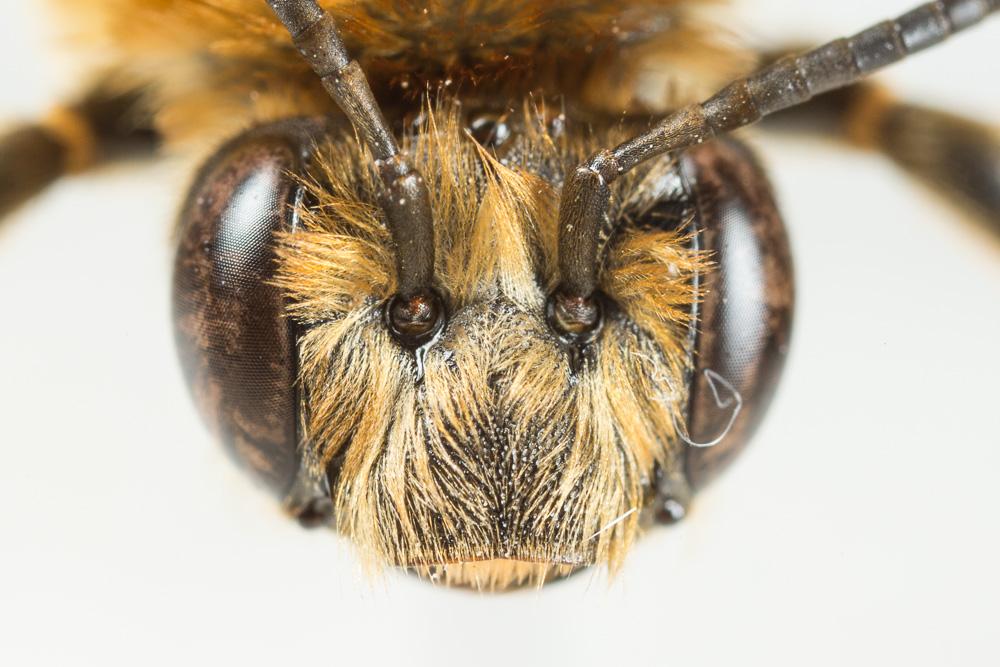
pixel 494 442
pixel 408 337
pixel 500 449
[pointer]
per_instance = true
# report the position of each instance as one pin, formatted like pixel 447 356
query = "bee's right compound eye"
pixel 415 321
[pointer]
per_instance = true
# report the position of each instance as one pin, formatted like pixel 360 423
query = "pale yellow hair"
pixel 489 448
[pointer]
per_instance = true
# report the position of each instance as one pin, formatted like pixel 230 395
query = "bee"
pixel 442 282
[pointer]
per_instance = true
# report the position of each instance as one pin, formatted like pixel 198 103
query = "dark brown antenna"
pixel 583 210
pixel 416 313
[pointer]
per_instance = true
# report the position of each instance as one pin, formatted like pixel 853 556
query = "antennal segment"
pixel 583 212
pixel 405 200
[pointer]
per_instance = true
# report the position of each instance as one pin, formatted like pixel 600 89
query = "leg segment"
pixel 959 157
pixel 102 125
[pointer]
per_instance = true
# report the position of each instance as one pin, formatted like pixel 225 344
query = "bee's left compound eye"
pixel 238 348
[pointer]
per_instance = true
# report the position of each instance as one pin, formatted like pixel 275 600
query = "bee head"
pixel 473 432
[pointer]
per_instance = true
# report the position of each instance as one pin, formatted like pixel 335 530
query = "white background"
pixel 860 528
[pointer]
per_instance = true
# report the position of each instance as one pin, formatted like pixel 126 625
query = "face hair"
pixel 500 456
pixel 583 209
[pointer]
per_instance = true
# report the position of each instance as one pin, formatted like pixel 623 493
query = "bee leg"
pixel 105 123
pixel 957 156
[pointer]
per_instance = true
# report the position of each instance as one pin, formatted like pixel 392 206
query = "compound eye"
pixel 416 320
pixel 238 348
pixel 744 319
pixel 577 320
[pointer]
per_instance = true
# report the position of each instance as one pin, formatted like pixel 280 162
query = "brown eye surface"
pixel 237 347
pixel 415 321
pixel 745 316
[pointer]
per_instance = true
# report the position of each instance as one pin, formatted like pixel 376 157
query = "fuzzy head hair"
pixel 488 456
